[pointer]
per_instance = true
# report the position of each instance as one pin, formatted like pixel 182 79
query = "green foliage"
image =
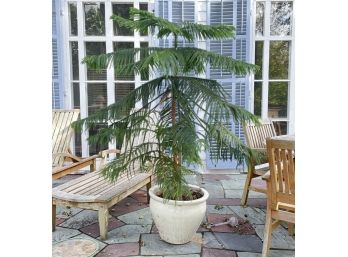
pixel 177 115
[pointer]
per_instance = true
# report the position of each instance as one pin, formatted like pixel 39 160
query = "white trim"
pixel 266 38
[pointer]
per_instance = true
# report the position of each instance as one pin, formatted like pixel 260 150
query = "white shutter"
pixel 56 87
pixel 233 12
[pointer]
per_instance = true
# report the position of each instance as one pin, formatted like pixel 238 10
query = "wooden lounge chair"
pixel 256 139
pixel 280 188
pixel 61 137
pixel 95 192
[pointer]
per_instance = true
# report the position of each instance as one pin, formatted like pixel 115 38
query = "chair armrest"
pixel 67 155
pixel 267 176
pixel 104 153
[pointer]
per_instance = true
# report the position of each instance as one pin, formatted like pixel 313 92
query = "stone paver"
pixel 75 247
pixel 65 212
pixel 93 229
pixel 127 205
pixel 120 250
pixel 152 245
pixel 236 242
pixel 101 244
pixel 215 191
pixel 61 234
pixel 139 217
pixel 219 209
pixel 210 241
pixel 218 253
pixel 273 253
pixel 280 237
pixel 80 220
pixel 254 215
pixel 130 223
pixel 127 234
pixel 238 194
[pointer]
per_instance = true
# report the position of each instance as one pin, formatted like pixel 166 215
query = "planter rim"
pixel 155 188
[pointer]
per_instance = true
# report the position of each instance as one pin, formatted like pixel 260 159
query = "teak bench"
pixel 92 191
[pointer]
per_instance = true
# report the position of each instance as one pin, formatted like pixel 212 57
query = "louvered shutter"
pixel 233 12
pixel 57 96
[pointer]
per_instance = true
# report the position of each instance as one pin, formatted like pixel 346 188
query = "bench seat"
pixel 93 191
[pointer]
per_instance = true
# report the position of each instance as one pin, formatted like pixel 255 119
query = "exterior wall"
pixel 69 91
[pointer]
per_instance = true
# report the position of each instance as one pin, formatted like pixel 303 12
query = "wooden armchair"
pixel 256 139
pixel 280 188
pixel 61 137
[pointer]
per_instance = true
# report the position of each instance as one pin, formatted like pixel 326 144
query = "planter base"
pixel 177 221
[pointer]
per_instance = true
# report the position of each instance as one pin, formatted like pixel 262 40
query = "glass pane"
pixel 119 46
pixel 123 11
pixel 281 127
pixel 278 99
pixel 96 148
pixel 74 60
pixel 122 89
pixel 144 45
pixel 73 19
pixel 257 98
pixel 97 97
pixel 76 95
pixel 281 13
pixel 279 60
pixel 143 7
pixel 95 48
pixel 76 104
pixel 260 18
pixel 94 19
pixel 258 58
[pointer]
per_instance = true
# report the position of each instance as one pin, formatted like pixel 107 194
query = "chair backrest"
pixel 256 134
pixel 281 157
pixel 62 133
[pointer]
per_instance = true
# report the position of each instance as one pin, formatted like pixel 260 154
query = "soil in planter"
pixel 195 195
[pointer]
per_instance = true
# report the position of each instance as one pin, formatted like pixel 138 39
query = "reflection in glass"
pixel 143 7
pixel 96 148
pixel 259 58
pixel 123 75
pixel 97 97
pixel 123 11
pixel 76 104
pixel 279 59
pixel 278 99
pixel 74 60
pixel 260 18
pixel 73 19
pixel 281 13
pixel 144 45
pixel 95 48
pixel 94 19
pixel 281 127
pixel 257 98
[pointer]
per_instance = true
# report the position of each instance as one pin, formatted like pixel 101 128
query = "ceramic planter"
pixel 177 221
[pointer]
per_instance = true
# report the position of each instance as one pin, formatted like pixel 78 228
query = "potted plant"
pixel 184 112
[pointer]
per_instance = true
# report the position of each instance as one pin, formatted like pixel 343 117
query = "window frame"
pixel 267 38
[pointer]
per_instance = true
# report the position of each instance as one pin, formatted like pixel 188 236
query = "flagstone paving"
pixel 132 231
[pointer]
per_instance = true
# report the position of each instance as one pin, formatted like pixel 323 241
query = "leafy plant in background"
pixel 191 112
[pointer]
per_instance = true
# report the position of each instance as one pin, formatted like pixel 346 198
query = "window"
pixel 273 84
pixel 90 31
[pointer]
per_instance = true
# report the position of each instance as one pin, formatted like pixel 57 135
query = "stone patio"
pixel 133 233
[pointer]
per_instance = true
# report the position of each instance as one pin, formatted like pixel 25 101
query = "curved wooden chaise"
pixel 61 137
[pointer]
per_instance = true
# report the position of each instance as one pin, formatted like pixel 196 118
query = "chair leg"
pixel 148 186
pixel 291 229
pixel 103 217
pixel 93 166
pixel 54 217
pixel 246 187
pixel 267 236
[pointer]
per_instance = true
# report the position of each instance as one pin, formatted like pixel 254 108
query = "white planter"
pixel 177 221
